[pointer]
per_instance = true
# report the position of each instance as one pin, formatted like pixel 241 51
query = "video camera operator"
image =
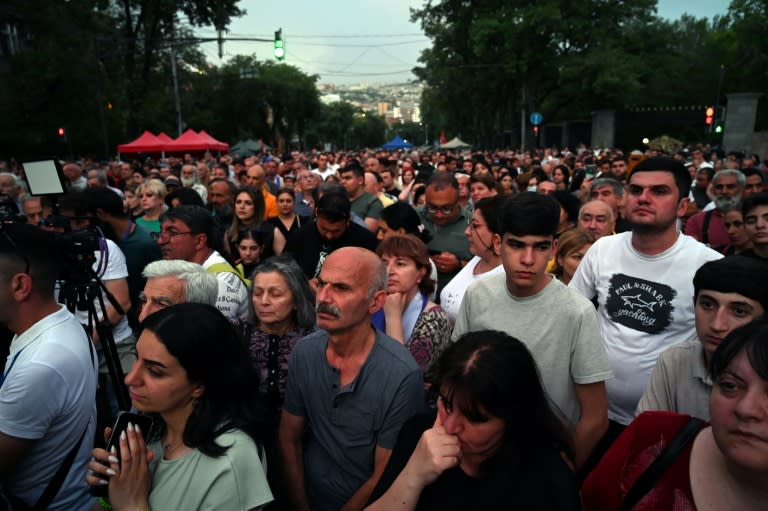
pixel 48 385
pixel 110 266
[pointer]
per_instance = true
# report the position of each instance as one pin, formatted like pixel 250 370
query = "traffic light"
pixel 279 45
pixel 62 133
pixel 710 114
pixel 536 130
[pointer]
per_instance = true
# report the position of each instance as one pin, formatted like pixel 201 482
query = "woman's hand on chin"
pixel 395 304
pixel 436 452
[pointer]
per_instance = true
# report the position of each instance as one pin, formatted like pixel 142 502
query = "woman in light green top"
pixel 152 200
pixel 193 372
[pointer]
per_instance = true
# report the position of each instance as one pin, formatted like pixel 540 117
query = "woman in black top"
pixel 494 444
pixel 287 220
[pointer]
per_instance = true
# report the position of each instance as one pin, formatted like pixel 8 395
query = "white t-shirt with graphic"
pixel 645 305
pixel 233 299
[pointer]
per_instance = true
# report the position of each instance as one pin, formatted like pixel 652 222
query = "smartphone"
pixel 590 171
pixel 144 422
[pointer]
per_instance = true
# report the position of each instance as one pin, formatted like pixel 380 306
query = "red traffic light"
pixel 61 132
pixel 710 114
pixel 535 130
pixel 710 111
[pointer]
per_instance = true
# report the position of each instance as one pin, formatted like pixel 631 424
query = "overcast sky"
pixel 354 41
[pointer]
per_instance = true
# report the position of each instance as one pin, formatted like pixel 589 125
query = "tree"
pixel 332 125
pixel 368 130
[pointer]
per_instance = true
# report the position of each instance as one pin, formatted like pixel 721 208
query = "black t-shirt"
pixel 544 484
pixel 309 249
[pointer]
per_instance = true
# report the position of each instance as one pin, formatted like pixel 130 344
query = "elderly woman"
pixel 723 465
pixel 494 444
pixel 284 308
pixel 193 373
pixel 409 316
pixel 151 195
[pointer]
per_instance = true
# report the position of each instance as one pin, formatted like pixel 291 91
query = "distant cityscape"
pixel 395 102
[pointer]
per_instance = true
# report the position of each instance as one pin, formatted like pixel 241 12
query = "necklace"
pixel 170 447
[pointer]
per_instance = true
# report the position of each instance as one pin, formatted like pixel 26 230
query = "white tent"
pixel 456 143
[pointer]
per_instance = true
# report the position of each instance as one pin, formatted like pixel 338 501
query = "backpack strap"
pixel 228 268
pixel 656 469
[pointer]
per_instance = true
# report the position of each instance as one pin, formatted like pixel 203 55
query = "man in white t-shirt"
pixel 186 233
pixel 113 273
pixel 642 280
pixel 48 384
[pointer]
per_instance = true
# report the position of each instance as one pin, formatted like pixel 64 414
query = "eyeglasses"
pixel 166 235
pixel 16 250
pixel 433 210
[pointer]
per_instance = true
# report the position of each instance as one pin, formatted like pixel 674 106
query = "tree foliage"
pixel 102 69
pixel 490 59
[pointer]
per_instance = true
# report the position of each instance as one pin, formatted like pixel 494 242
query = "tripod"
pixel 81 291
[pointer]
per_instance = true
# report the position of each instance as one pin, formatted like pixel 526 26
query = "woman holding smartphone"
pixel 194 373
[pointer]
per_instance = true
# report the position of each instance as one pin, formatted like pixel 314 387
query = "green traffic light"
pixel 279 46
pixel 719 128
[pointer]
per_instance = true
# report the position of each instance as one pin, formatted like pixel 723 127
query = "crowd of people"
pixel 548 329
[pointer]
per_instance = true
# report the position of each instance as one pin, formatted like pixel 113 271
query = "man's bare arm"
pixel 290 437
pixel 363 494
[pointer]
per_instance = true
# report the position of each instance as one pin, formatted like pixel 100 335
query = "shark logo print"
pixel 640 304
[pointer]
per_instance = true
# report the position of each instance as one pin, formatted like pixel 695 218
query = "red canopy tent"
pixel 220 146
pixel 146 143
pixel 191 141
pixel 164 138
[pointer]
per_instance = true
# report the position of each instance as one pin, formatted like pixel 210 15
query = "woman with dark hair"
pixel 495 443
pixel 725 466
pixel 482 186
pixel 482 229
pixel 569 210
pixel 400 218
pixel 287 220
pixel 506 184
pixel 248 212
pixel 193 372
pixel 250 247
pixel 408 315
pixel 561 176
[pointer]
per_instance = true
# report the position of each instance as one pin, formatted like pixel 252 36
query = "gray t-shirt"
pixel 345 425
pixel 679 382
pixel 367 206
pixel 559 327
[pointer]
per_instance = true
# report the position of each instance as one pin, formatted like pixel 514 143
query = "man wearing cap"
pixel 642 280
pixel 728 293
pixel 331 230
pixel 708 226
